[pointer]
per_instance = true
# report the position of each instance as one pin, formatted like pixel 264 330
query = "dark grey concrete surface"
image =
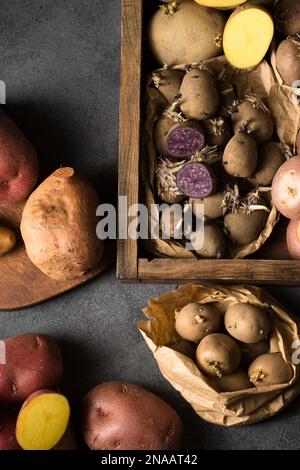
pixel 60 61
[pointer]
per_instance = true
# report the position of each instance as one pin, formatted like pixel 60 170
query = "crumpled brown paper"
pixel 227 409
pixel 262 82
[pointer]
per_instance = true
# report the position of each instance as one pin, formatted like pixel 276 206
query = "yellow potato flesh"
pixel 43 422
pixel 226 4
pixel 247 37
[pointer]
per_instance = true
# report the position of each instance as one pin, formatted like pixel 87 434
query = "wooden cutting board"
pixel 21 283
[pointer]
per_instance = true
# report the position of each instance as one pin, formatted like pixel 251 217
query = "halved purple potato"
pixel 184 140
pixel 196 180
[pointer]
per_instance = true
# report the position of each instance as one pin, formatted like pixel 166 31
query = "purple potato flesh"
pixel 184 142
pixel 196 180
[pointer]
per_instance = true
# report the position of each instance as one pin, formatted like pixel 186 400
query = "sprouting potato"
pixel 195 321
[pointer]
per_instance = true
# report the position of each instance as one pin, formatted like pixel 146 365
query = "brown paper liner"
pixel 260 81
pixel 227 409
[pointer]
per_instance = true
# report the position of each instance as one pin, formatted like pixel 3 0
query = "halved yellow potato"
pixel 247 36
pixel 224 4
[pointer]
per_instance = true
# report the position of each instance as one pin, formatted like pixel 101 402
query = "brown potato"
pixel 218 354
pixel 195 321
pixel 288 60
pixel 235 382
pixel 252 351
pixel 270 369
pixel 247 323
pixel 212 205
pixel 217 132
pixel 243 228
pixel 270 159
pixel 7 240
pixel 199 96
pixel 240 156
pixel 168 82
pixel 189 35
pixel 287 16
pixel 252 117
pixel 214 243
pixel 122 416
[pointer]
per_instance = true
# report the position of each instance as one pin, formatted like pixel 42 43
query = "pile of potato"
pixel 218 154
pixel 215 150
pixel 59 221
pixel 232 351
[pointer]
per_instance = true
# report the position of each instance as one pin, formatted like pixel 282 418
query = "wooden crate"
pixel 270 266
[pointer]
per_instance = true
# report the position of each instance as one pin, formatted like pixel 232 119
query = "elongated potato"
pixel 58 226
pixel 247 36
pixel 199 97
pixel 170 33
pixel 270 159
pixel 240 156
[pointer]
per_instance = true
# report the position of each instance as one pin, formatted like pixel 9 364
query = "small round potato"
pixel 195 321
pixel 254 350
pixel 270 369
pixel 7 240
pixel 247 323
pixel 239 380
pixel 212 205
pixel 218 354
pixel 243 228
pixel 214 243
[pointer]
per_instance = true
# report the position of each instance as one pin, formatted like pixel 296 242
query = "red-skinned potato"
pixel 293 238
pixel 122 416
pixel 8 439
pixel 286 189
pixel 18 163
pixel 28 363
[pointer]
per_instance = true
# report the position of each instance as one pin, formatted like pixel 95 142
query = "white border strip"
pixel 2 352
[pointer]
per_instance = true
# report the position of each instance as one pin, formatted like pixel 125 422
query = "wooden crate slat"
pixel 130 119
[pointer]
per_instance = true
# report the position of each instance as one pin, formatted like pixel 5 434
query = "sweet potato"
pixel 58 226
pixel 8 439
pixel 43 420
pixel 121 416
pixel 287 17
pixel 199 97
pixel 186 33
pixel 288 60
pixel 28 363
pixel 247 36
pixel 18 163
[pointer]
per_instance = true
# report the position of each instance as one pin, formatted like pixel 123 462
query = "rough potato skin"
pixel 28 363
pixel 8 421
pixel 240 156
pixel 199 96
pixel 58 226
pixel 287 15
pixel 122 416
pixel 192 34
pixel 288 60
pixel 247 323
pixel 270 159
pixel 254 121
pixel 243 228
pixel 270 369
pixel 19 165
